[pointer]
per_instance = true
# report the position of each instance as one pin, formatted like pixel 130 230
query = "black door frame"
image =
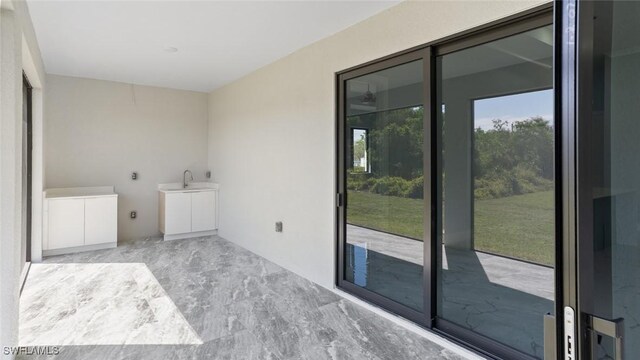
pixel 530 19
pixel 28 89
pixel 342 200
pixel 566 21
pixel 576 55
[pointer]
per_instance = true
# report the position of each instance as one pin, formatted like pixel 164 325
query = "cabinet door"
pixel 66 223
pixel 177 214
pixel 203 211
pixel 100 220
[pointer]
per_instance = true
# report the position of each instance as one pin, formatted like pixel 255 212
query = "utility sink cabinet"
pixel 188 212
pixel 79 219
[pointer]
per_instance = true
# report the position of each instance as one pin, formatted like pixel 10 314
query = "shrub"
pixel 416 188
pixel 387 185
pixel 517 181
pixel 358 181
pixel 392 186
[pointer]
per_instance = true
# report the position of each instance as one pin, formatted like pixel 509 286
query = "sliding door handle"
pixel 597 326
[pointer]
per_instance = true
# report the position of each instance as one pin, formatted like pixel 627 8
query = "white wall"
pixel 99 132
pixel 272 133
pixel 18 51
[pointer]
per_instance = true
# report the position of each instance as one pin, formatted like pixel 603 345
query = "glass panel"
pixel 385 209
pixel 513 176
pixel 615 166
pixel 360 138
pixel 495 271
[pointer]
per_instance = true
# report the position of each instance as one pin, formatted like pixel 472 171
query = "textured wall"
pixel 98 132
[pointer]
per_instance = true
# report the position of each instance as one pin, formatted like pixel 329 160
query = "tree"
pixel 360 148
pixel 396 143
pixel 514 160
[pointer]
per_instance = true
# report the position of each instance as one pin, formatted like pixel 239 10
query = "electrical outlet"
pixel 279 226
pixel 133 214
pixel 208 174
pixel 134 176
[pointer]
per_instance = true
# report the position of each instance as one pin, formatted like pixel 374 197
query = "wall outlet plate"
pixel 133 214
pixel 279 226
pixel 134 176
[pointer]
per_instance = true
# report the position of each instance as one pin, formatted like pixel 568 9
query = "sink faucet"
pixel 184 178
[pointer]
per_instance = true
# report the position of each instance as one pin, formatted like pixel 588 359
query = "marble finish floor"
pixel 99 304
pixel 239 305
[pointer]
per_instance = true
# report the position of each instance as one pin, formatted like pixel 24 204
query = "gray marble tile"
pixel 98 304
pixel 239 305
pixel 381 337
pixel 213 321
pixel 89 352
pixel 98 256
pixel 241 345
pixel 298 291
pixel 293 333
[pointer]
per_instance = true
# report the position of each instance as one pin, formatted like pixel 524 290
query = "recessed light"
pixel 171 49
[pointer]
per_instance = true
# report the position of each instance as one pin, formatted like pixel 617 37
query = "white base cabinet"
pixel 189 212
pixel 177 213
pixel 100 220
pixel 77 219
pixel 203 211
pixel 66 223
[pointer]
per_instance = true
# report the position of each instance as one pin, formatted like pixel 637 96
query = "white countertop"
pixel 79 192
pixel 192 187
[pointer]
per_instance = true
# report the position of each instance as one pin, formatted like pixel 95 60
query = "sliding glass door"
pixel 602 111
pixel 488 184
pixel 497 242
pixel 447 186
pixel 383 181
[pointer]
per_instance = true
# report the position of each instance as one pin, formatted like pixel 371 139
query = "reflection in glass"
pixel 513 176
pixel 497 216
pixel 615 171
pixel 360 155
pixel 385 210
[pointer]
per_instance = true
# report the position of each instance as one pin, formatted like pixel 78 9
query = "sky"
pixel 513 108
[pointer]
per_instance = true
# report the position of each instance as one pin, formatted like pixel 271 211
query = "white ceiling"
pixel 217 41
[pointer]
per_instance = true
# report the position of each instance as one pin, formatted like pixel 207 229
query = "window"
pixel 360 150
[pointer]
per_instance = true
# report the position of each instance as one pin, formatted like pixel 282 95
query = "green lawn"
pixel 518 226
pixel 396 215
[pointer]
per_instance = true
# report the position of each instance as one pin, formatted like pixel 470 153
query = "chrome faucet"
pixel 184 178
